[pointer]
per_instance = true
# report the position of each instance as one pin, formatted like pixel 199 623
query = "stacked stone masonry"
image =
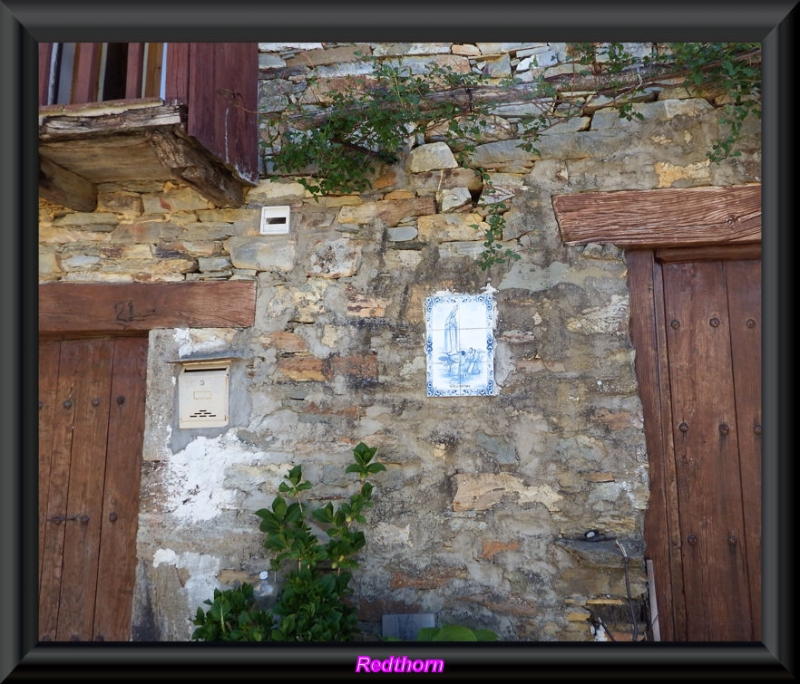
pixel 481 514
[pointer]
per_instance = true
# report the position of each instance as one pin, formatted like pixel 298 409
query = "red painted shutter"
pixel 222 98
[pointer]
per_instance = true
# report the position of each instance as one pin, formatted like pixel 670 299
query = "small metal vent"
pixel 203 395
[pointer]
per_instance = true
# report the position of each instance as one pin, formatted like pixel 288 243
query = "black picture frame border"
pixel 23 23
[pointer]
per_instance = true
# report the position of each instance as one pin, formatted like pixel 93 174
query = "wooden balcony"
pixel 115 112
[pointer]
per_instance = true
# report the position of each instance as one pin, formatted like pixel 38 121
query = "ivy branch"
pixel 335 145
pixel 727 73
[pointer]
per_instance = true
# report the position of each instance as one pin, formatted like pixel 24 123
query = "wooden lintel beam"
pixel 662 218
pixel 196 168
pixel 66 188
pixel 121 308
pixel 709 253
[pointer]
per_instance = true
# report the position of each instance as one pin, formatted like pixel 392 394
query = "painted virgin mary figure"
pixel 451 332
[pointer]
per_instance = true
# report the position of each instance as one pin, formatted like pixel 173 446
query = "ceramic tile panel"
pixel 459 345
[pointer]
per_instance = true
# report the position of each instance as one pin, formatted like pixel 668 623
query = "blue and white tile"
pixel 460 345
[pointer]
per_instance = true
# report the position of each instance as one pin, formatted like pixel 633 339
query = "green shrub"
pixel 312 604
pixel 233 616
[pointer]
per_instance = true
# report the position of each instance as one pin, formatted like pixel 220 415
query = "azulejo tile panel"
pixel 459 345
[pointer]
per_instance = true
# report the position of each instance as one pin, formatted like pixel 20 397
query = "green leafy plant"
pixel 233 616
pixel 313 602
pixel 372 122
pixel 369 121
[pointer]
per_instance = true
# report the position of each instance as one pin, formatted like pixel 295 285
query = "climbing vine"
pixel 337 145
pixel 727 74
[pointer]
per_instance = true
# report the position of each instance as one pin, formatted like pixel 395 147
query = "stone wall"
pixel 481 515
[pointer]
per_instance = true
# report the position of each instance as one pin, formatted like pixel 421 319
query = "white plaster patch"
pixel 167 556
pixel 202 580
pixel 201 341
pixel 202 570
pixel 195 480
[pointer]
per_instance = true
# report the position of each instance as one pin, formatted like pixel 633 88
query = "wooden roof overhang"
pixel 82 145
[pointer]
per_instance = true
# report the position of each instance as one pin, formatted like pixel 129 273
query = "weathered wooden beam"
pixel 60 123
pixel 661 218
pixel 66 188
pixel 709 253
pixel 197 169
pixel 121 308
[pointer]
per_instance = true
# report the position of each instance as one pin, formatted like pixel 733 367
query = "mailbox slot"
pixel 203 394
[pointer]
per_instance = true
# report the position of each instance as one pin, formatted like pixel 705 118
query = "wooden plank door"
pixel 697 333
pixel 713 496
pixel 91 408
pixel 744 304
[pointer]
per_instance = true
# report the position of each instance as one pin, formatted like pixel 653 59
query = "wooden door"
pixel 697 333
pixel 91 423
